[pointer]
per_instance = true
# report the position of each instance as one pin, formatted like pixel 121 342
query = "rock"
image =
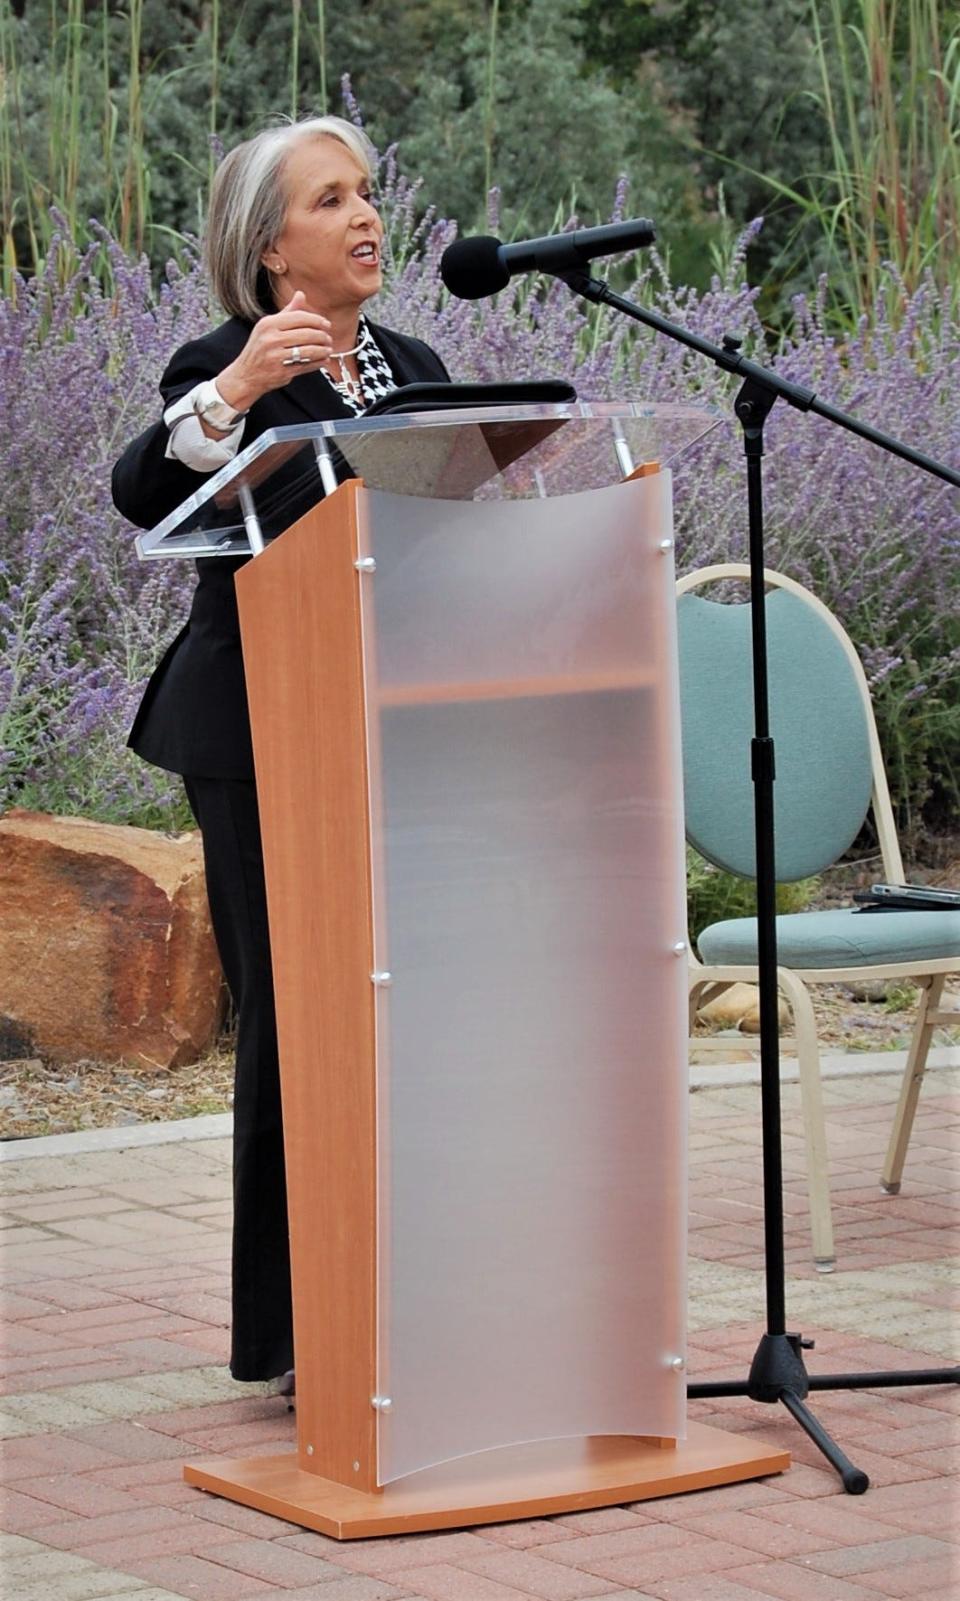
pixel 106 948
pixel 726 1009
pixel 870 991
pixel 738 1006
pixel 750 1021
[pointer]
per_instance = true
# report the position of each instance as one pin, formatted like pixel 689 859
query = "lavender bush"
pixel 82 621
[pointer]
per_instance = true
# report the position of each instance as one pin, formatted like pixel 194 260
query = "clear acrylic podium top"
pixel 491 453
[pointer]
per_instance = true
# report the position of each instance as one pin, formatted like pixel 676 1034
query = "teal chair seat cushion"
pixel 843 938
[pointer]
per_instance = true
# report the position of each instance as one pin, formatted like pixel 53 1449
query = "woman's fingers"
pixel 279 346
pixel 295 334
pixel 297 328
pixel 295 315
pixel 304 351
pixel 312 339
pixel 300 323
pixel 273 354
pixel 304 336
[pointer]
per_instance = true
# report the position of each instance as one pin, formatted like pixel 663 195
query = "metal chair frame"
pixel 707 980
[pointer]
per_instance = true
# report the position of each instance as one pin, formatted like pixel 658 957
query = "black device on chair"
pixel 906 898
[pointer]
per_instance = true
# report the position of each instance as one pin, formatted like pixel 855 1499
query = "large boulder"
pixel 106 948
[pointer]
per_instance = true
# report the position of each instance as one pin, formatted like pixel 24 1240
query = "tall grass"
pixel 490 105
pixel 65 118
pixel 294 55
pixel 36 179
pixel 14 174
pixel 96 78
pixel 322 54
pixel 894 138
pixel 8 253
pixel 889 93
pixel 214 88
pixel 135 190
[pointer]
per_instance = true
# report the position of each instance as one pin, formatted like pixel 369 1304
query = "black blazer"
pixel 193 718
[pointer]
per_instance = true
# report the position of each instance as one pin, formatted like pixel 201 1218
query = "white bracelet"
pixel 210 406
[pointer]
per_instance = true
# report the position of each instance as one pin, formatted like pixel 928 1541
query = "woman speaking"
pixel 293 249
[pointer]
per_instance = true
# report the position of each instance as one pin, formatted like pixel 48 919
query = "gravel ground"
pixel 45 1097
pixel 38 1097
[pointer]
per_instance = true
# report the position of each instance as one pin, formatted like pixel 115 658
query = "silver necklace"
pixel 347 385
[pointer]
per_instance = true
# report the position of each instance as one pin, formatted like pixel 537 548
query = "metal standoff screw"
pixel 365 564
pixel 381 1403
pixel 356 1467
pixel 309 1450
pixel 664 546
pixel 679 948
pixel 677 1363
pixel 382 980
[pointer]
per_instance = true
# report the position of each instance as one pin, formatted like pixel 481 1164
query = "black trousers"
pixel 262 1333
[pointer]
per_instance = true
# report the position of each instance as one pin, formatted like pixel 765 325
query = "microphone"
pixel 473 268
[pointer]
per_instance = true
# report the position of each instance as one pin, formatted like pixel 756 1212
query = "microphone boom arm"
pixel 728 357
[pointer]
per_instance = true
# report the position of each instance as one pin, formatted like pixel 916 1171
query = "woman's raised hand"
pixel 280 346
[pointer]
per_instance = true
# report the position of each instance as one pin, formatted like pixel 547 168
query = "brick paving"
pixel 115 1309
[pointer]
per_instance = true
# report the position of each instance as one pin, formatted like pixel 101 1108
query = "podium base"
pixel 525 1481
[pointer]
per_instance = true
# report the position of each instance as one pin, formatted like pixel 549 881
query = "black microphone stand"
pixel 777 1372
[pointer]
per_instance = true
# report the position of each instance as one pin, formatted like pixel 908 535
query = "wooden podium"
pixel 466 736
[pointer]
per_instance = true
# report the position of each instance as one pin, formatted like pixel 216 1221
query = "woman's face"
pixel 330 244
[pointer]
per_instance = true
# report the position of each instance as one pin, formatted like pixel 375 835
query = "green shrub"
pixel 713 895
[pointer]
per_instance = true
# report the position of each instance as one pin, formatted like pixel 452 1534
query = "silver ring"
pixel 295 359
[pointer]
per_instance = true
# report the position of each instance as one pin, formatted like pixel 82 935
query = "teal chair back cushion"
pixel 817 720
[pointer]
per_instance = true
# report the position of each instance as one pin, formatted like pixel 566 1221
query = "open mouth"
pixel 366 252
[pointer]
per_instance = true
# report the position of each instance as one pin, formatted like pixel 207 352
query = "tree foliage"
pixel 835 119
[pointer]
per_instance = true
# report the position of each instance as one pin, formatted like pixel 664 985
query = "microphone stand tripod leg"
pixel 855 1481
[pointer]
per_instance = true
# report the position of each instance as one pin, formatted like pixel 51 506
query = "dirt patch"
pixel 38 1097
pixel 876 1018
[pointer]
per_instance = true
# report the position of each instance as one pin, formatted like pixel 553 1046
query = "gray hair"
pixel 248 208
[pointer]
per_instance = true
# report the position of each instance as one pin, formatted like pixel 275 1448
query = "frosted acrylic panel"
pixel 528 890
